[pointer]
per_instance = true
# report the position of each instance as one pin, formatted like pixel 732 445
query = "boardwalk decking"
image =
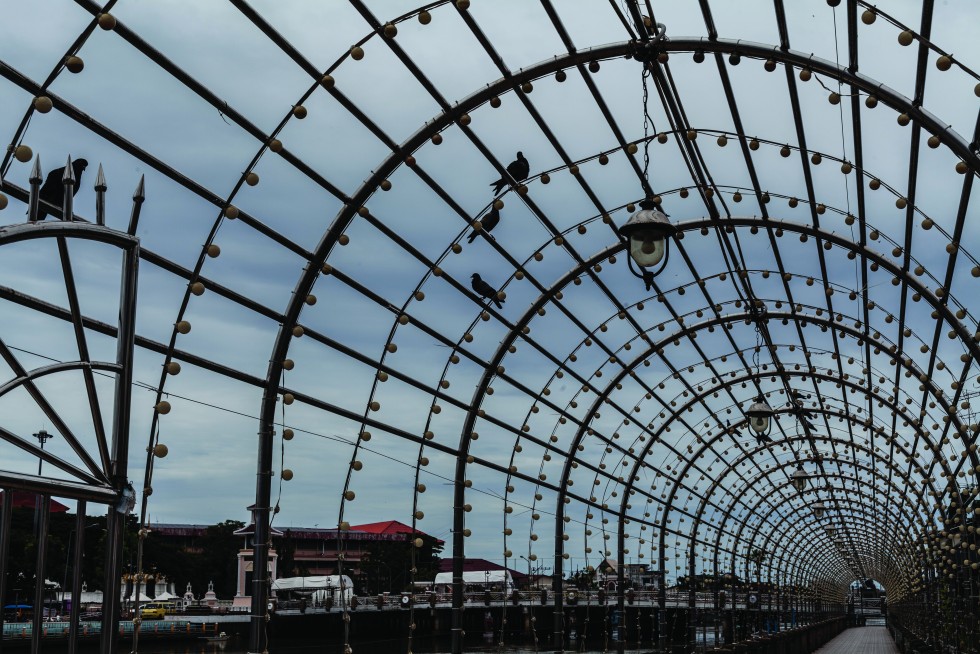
pixel 861 640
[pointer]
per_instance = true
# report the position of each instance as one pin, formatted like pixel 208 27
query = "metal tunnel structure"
pixel 312 203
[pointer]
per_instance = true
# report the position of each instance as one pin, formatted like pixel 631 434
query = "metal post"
pixel 76 578
pixel 662 604
pixel 620 588
pixel 5 511
pixel 42 548
pixel 260 550
pixel 558 639
pixel 116 520
pixel 692 597
pixel 459 553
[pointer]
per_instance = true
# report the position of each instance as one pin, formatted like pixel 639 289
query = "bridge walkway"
pixel 861 640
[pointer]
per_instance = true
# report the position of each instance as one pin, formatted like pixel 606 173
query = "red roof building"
pixel 387 528
pixel 27 500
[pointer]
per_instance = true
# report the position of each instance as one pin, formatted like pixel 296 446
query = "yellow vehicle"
pixel 153 611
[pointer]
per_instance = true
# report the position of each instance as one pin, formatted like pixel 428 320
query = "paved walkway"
pixel 861 640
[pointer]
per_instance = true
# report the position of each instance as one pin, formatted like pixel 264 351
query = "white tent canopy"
pixel 482 577
pixel 321 582
pixel 319 588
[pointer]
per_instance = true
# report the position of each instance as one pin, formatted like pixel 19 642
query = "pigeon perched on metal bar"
pixel 487 291
pixel 53 189
pixel 487 224
pixel 518 169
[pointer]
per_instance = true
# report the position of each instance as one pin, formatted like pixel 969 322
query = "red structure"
pixel 26 500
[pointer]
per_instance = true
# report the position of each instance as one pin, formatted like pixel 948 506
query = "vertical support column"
pixel 116 519
pixel 459 553
pixel 558 637
pixel 4 549
pixel 260 548
pixel 76 577
pixel 620 624
pixel 661 634
pixel 37 624
pixel 692 595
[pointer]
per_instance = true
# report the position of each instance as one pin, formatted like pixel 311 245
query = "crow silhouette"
pixel 489 222
pixel 518 169
pixel 487 291
pixel 53 189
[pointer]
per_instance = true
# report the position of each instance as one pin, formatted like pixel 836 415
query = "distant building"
pixel 26 500
pixel 315 551
pixel 309 551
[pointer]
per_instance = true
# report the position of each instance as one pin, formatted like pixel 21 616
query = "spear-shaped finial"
pixel 35 181
pixel 100 183
pixel 100 188
pixel 138 196
pixel 68 199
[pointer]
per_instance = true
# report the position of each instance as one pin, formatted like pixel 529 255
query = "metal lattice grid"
pixel 324 263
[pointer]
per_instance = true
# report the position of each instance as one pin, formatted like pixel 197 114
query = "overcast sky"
pixel 209 474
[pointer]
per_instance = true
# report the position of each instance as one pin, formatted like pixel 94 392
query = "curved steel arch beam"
pixel 855 534
pixel 841 513
pixel 323 249
pixel 748 483
pixel 909 515
pixel 737 380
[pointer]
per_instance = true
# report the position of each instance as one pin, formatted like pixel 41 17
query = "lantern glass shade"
pixel 760 416
pixel 800 479
pixel 647 248
pixel 647 231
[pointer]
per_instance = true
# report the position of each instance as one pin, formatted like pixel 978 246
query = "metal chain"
pixel 645 72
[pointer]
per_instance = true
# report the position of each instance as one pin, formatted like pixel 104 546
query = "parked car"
pixel 153 611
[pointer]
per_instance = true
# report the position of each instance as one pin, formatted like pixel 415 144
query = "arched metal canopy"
pixel 319 231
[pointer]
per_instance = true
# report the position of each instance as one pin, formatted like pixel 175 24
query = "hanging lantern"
pixel 800 478
pixel 760 416
pixel 818 510
pixel 648 231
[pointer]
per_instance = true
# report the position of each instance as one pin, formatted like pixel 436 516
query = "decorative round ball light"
pixel 23 153
pixel 74 64
pixel 43 104
pixel 107 22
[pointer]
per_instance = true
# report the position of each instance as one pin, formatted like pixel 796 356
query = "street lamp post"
pixel 42 437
